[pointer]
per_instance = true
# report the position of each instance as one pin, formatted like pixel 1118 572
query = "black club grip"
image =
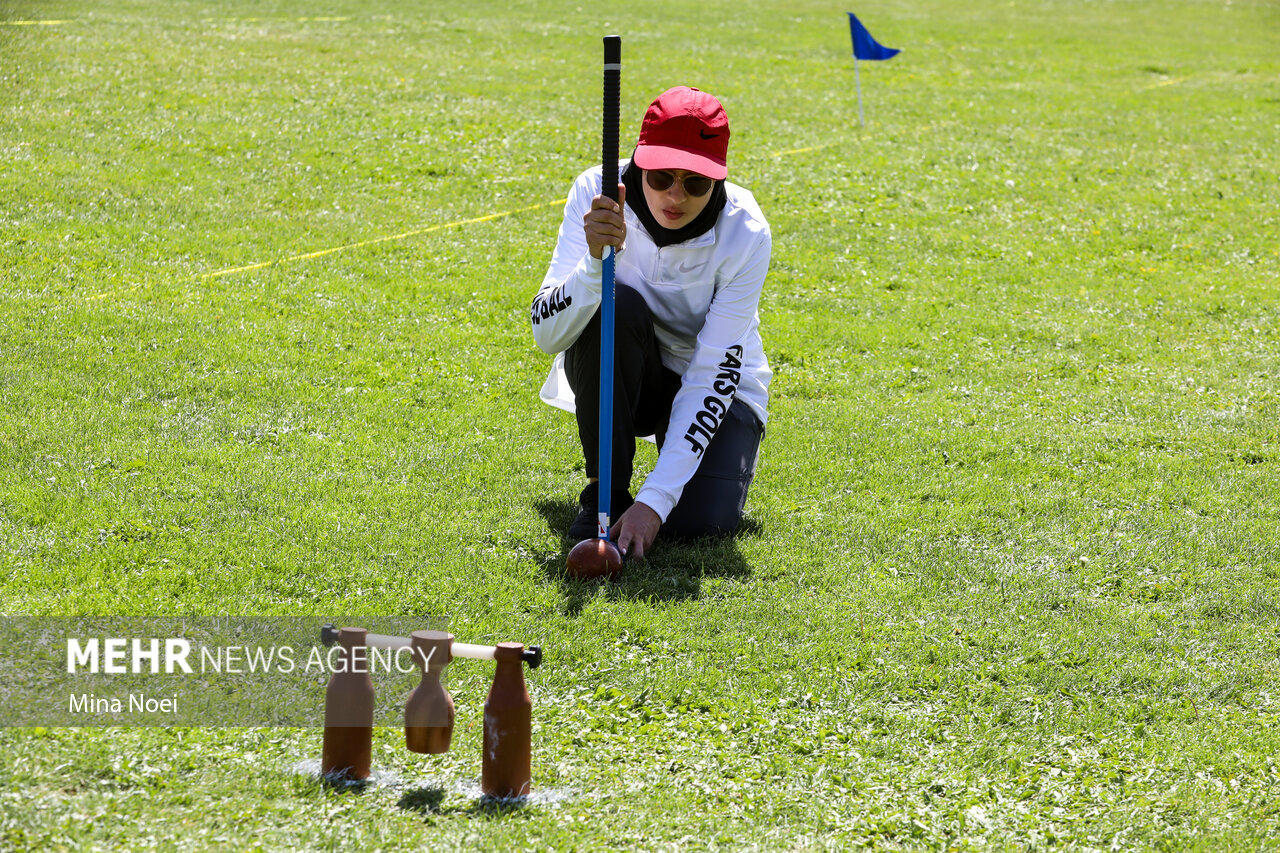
pixel 612 95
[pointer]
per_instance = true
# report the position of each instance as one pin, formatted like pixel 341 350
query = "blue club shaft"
pixel 609 168
pixel 606 395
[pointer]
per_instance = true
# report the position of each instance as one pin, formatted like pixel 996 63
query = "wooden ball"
pixel 593 558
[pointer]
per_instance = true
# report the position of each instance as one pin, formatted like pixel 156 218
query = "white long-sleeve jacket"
pixel 703 294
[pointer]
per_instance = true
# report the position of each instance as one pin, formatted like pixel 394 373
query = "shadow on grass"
pixel 429 802
pixel 673 570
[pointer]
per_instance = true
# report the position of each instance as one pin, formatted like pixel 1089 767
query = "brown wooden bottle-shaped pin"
pixel 348 710
pixel 428 715
pixel 508 728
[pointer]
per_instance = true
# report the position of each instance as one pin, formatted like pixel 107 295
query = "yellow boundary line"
pixel 304 20
pixel 322 252
pixel 320 18
pixel 801 150
pixel 306 256
pixel 1173 81
pixel 414 233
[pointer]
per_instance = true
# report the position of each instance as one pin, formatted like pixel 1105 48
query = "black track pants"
pixel 643 390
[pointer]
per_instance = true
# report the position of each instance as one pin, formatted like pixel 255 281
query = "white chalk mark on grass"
pixel 377 778
pixel 537 797
pixel 469 789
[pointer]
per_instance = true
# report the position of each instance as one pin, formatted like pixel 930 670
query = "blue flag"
pixel 864 46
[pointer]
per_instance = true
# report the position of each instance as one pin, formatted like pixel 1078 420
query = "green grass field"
pixel 1011 573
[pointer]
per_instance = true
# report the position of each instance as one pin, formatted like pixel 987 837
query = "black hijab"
pixel 633 177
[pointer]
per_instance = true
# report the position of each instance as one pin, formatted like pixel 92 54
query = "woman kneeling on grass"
pixel 689 366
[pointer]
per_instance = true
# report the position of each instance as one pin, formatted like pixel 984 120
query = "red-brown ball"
pixel 594 558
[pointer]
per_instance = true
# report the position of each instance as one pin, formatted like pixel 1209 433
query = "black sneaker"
pixel 586 525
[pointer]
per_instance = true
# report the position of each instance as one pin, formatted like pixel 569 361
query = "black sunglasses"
pixel 695 185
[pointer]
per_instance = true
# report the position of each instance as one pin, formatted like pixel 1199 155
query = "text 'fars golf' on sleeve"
pixel 570 291
pixel 728 344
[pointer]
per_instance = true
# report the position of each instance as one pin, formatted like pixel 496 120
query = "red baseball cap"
pixel 685 129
